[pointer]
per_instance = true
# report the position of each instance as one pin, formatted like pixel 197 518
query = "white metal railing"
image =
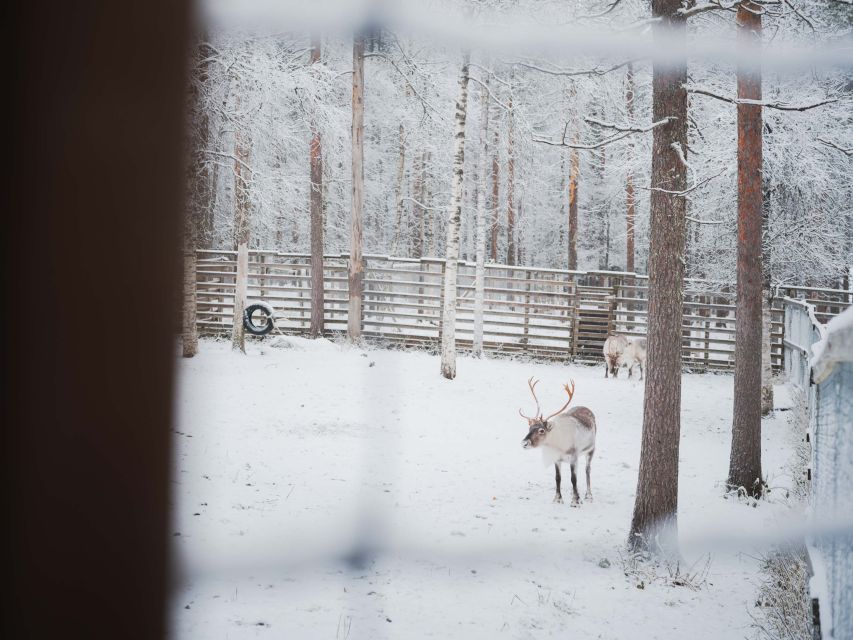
pixel 819 364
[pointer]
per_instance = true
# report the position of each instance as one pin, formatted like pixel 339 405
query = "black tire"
pixel 258 329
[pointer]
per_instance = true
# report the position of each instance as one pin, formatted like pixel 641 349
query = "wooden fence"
pixel 546 313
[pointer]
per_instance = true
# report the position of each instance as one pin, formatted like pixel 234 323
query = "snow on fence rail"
pixel 819 363
pixel 547 313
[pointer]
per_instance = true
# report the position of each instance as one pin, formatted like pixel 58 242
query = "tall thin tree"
pixel 481 181
pixel 448 328
pixel 629 178
pixel 242 211
pixel 199 198
pixel 654 521
pixel 356 261
pixel 316 205
pixel 745 460
pixel 510 185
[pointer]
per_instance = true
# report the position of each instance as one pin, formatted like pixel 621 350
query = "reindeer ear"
pixel 548 426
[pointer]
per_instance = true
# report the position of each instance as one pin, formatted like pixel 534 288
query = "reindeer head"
pixel 539 426
pixel 614 360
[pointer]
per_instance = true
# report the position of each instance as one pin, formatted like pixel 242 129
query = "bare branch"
pixel 846 152
pixel 491 95
pixel 780 106
pixel 622 133
pixel 698 221
pixel 799 14
pixel 424 102
pixel 610 8
pixel 571 74
pixel 711 5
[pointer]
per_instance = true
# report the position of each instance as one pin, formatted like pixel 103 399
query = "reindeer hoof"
pixel 558 499
pixel 588 497
pixel 576 503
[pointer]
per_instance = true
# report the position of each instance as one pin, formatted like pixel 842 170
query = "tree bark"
pixel 654 521
pixel 510 189
pixel 767 399
pixel 241 237
pixel 496 173
pixel 356 262
pixel 629 179
pixel 417 211
pixel 398 191
pixel 448 331
pixel 480 269
pixel 745 461
pixel 574 168
pixel 318 301
pixel 198 202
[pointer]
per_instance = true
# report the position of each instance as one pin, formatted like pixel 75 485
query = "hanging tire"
pixel 257 319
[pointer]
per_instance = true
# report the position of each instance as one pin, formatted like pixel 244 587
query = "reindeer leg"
pixel 576 499
pixel 588 495
pixel 606 368
pixel 558 497
pixel 641 371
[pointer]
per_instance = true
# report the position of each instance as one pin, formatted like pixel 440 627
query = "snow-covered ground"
pixel 331 492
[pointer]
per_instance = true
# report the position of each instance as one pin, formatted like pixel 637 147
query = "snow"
pixel 327 491
pixel 835 346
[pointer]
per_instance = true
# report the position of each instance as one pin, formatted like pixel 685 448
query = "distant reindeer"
pixel 635 354
pixel 563 436
pixel 614 347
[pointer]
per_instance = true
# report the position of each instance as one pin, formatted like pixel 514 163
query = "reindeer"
pixel 563 436
pixel 614 347
pixel 635 354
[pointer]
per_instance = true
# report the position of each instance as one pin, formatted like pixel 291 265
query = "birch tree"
pixel 481 181
pixel 242 211
pixel 356 262
pixel 448 328
pixel 629 178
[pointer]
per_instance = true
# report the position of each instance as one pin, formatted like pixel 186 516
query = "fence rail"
pixel 819 363
pixel 547 313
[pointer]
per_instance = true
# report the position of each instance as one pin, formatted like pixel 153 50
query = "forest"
pixel 558 145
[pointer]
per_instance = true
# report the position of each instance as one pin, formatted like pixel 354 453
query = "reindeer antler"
pixel 538 413
pixel 571 393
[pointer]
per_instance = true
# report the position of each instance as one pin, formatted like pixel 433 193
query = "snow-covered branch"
pixel 622 132
pixel 572 74
pixel 711 5
pixel 847 152
pixel 780 106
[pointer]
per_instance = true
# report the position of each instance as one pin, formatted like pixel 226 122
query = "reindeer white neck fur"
pixel 563 436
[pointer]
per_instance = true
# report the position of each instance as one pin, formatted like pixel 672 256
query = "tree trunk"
pixel 448 330
pixel 654 521
pixel 398 192
pixel 241 238
pixel 316 205
pixel 510 189
pixel 417 211
pixel 496 172
pixel 629 181
pixel 480 269
pixel 574 167
pixel 356 263
pixel 767 399
pixel 198 202
pixel 745 461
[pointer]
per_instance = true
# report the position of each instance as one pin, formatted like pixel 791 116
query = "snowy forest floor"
pixel 324 491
